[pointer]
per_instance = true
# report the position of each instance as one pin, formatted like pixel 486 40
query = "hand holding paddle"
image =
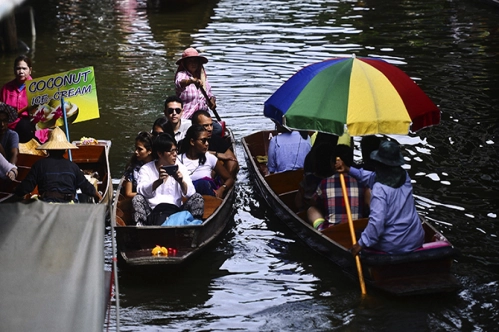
pixel 210 102
pixel 342 168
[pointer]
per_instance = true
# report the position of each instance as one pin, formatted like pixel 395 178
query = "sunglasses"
pixel 171 110
pixel 203 140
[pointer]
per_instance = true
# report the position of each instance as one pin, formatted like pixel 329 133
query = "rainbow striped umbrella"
pixel 368 95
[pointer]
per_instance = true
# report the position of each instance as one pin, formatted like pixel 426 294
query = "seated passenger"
pixel 287 151
pixel 57 178
pixel 218 146
pixel 328 203
pixel 163 189
pixel 316 168
pixel 202 165
pixel 368 144
pixel 394 225
pixel 9 139
pixel 161 125
pixel 174 109
pixel 141 156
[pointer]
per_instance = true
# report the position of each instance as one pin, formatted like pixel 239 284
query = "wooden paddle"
pixel 352 233
pixel 208 102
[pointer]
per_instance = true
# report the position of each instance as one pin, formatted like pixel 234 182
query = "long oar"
pixel 208 102
pixel 352 233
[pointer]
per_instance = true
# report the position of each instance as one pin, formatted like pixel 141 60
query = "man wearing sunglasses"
pixel 174 107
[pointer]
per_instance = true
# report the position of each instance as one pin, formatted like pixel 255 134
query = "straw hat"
pixel 191 53
pixel 57 141
pixel 30 148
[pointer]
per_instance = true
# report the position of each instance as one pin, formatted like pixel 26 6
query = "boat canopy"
pixel 52 267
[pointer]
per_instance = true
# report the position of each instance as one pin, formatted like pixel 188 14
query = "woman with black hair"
pixel 142 155
pixel 202 165
pixel 163 183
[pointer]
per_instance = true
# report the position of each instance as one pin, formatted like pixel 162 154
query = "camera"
pixel 170 169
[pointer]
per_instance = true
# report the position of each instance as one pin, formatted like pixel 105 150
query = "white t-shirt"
pixel 197 171
pixel 182 130
pixel 169 191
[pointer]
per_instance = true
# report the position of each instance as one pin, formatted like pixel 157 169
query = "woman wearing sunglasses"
pixel 208 174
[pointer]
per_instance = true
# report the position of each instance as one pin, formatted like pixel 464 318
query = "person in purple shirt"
pixel 287 151
pixel 394 226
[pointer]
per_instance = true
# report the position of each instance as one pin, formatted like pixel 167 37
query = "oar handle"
pixel 352 233
pixel 208 102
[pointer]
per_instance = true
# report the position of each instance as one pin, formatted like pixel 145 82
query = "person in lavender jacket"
pixel 394 226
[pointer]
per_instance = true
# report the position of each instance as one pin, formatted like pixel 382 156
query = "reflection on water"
pixel 267 279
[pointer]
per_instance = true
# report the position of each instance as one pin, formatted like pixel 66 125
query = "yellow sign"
pixel 77 89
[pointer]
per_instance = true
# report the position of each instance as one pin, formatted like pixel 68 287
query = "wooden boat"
pixel 424 271
pixel 135 244
pixel 93 160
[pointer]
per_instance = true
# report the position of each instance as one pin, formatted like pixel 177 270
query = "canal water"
pixel 260 277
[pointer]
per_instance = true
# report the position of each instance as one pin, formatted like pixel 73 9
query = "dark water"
pixel 260 277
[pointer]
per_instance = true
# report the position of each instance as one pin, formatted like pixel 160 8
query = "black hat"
pixel 389 154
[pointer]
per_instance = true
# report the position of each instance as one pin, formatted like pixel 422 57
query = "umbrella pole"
pixel 352 233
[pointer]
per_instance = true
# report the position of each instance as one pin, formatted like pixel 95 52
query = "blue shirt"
pixel 287 152
pixel 9 141
pixel 394 225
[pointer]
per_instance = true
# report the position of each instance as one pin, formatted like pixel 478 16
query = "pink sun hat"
pixel 191 53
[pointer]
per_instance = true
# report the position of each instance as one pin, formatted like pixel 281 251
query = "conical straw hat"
pixel 57 141
pixel 30 148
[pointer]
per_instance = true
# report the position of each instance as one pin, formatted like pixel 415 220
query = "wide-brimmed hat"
pixel 57 141
pixel 389 154
pixel 191 53
pixel 11 111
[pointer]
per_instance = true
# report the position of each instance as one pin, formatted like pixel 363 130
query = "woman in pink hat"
pixel 190 79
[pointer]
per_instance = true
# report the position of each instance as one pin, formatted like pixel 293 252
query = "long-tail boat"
pixel 93 160
pixel 135 244
pixel 426 270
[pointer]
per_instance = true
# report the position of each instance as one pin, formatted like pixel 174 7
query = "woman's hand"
pixel 162 175
pixel 195 81
pixel 178 177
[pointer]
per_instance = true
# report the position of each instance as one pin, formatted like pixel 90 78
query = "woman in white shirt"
pixel 163 183
pixel 208 174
